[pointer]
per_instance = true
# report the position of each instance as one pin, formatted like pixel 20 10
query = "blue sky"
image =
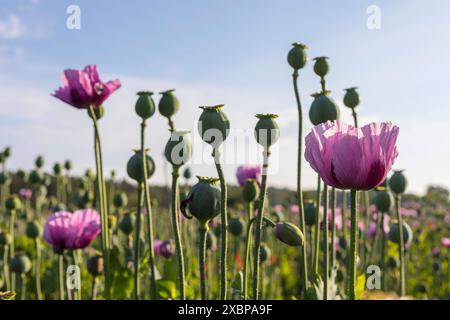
pixel 231 52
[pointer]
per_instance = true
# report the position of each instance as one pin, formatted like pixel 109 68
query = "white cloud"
pixel 11 27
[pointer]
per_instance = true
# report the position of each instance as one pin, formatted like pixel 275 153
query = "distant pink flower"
pixel 346 157
pixel 278 208
pixel 445 242
pixel 66 230
pixel 163 248
pixel 293 208
pixel 83 88
pixel 337 218
pixel 25 193
pixel 372 230
pixel 243 173
pixel 409 213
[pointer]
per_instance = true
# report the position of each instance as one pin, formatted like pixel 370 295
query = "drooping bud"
pixel 95 265
pixel 351 97
pixel 168 104
pixel 267 131
pixel 297 56
pixel 20 263
pixel 126 224
pixel 250 190
pixel 39 162
pixel 383 201
pixel 213 125
pixel 323 108
pixel 120 200
pixel 178 149
pixel 145 106
pixel 13 203
pixel 134 166
pixel 310 214
pixel 203 201
pixel 236 226
pixel 289 234
pixel 394 233
pixel 321 66
pixel 397 182
pixel 33 229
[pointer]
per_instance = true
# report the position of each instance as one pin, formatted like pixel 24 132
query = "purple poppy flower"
pixel 25 193
pixel 243 173
pixel 163 248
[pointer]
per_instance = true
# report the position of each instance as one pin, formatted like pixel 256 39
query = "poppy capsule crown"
pixel 351 97
pixel 267 131
pixel 134 166
pixel 323 108
pixel 203 201
pixel 168 104
pixel 178 149
pixel 145 106
pixel 297 56
pixel 213 125
pixel 321 66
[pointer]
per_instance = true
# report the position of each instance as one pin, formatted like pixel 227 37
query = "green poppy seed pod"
pixel 89 174
pixel 323 108
pixel 187 174
pixel 265 253
pixel 351 97
pixel 36 177
pixel 68 165
pixel 33 229
pixel 120 200
pixel 5 238
pixel 297 56
pixel 7 152
pixel 95 265
pixel 13 203
pixel 213 125
pixel 250 190
pixel 145 106
pixel 383 201
pixel 57 169
pixel 393 262
pixel 22 175
pixel 126 224
pixel 39 162
pixel 203 200
pixel 178 149
pixel 168 104
pixel 3 178
pixel 289 234
pixel 99 112
pixel 394 233
pixel 20 263
pixel 321 66
pixel 267 131
pixel 397 182
pixel 236 226
pixel 310 214
pixel 134 166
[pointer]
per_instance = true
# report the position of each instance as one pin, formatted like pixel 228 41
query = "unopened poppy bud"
pixel 20 263
pixel 145 106
pixel 213 125
pixel 99 112
pixel 203 201
pixel 267 131
pixel 323 108
pixel 3 178
pixel 33 229
pixel 289 234
pixel 351 97
pixel 310 214
pixel 57 169
pixel 236 226
pixel 39 162
pixel 397 182
pixel 134 167
pixel 168 104
pixel 394 233
pixel 5 239
pixel 187 174
pixel 95 265
pixel 250 191
pixel 68 165
pixel 120 200
pixel 178 149
pixel 321 66
pixel 264 253
pixel 297 56
pixel 13 203
pixel 383 201
pixel 126 224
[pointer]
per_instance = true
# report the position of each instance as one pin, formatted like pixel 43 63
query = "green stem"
pixel 5 268
pixel 61 275
pixel 383 250
pixel 326 243
pixel 353 244
pixel 37 245
pixel 317 230
pixel 203 231
pixel 94 288
pixel 148 205
pixel 260 217
pixel 303 254
pixel 12 221
pixel 344 213
pixel 333 228
pixel 401 247
pixel 224 226
pixel 137 241
pixel 247 247
pixel 176 231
